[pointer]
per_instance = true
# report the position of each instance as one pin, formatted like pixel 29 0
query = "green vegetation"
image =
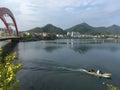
pixel 49 28
pixel 87 29
pixel 82 28
pixel 8 71
pixel 110 86
pixel 29 37
pixel 50 37
pixel 34 37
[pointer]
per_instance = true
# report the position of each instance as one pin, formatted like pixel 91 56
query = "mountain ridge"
pixel 49 28
pixel 83 28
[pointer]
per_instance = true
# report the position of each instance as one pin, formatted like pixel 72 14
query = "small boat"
pixel 104 75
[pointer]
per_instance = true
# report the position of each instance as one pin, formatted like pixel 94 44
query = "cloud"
pixel 31 13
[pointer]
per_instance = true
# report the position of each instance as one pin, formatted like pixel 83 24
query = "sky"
pixel 63 13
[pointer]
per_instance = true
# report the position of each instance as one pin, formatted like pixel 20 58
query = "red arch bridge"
pixel 7 32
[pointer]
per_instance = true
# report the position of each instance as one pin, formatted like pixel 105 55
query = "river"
pixel 52 65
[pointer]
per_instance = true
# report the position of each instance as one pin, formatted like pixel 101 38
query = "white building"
pixel 74 34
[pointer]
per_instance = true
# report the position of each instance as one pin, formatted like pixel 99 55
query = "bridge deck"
pixel 9 37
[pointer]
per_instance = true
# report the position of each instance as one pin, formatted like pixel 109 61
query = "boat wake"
pixel 102 75
pixel 72 69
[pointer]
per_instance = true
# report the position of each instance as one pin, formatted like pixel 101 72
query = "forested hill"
pixel 83 28
pixel 49 28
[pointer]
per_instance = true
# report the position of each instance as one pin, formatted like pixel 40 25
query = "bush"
pixel 8 71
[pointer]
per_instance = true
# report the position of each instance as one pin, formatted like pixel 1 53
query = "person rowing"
pixel 91 70
pixel 97 72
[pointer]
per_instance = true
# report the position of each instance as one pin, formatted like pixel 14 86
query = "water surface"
pixel 47 64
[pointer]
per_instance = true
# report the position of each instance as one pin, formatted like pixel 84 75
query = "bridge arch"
pixel 4 11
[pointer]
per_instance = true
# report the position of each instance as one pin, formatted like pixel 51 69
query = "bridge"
pixel 7 31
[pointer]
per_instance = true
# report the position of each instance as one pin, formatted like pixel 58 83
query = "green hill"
pixel 114 29
pixel 84 28
pixel 36 30
pixel 49 28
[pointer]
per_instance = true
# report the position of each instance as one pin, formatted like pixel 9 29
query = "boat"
pixel 103 75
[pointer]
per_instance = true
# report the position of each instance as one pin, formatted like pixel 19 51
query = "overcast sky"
pixel 63 13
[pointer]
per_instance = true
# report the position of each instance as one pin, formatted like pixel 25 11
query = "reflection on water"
pixel 7 49
pixel 82 49
pixel 81 46
pixel 8 69
pixel 51 48
pixel 72 42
